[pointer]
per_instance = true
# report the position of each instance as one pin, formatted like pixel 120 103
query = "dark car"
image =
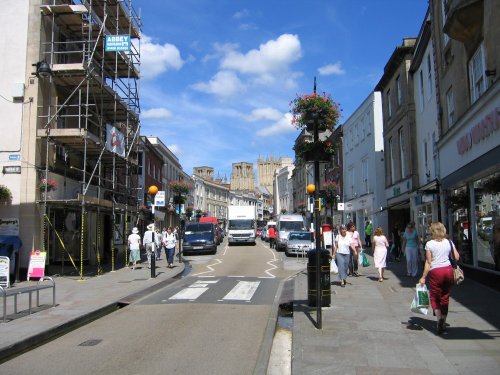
pixel 199 238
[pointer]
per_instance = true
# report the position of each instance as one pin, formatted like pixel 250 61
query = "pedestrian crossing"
pixel 218 290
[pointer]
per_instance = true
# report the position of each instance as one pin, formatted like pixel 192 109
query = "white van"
pixel 286 224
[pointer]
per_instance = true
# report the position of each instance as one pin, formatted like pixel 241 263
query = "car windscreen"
pixel 241 224
pixel 288 226
pixel 294 236
pixel 198 228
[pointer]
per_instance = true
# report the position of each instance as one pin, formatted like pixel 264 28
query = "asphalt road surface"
pixel 212 321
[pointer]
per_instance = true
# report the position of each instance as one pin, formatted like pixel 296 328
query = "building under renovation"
pixel 76 194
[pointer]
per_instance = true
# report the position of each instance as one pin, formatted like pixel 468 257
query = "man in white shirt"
pixel 149 242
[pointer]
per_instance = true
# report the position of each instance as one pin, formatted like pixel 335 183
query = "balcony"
pixel 464 19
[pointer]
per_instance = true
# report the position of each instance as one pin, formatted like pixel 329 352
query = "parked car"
pixel 218 231
pixel 298 243
pixel 199 238
pixel 263 235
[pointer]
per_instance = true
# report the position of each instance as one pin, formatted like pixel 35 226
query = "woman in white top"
pixel 134 245
pixel 342 251
pixel 380 244
pixel 440 271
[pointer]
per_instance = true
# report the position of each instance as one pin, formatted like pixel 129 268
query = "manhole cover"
pixel 93 342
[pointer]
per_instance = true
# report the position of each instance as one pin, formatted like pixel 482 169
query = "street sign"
pixel 115 43
pixel 160 199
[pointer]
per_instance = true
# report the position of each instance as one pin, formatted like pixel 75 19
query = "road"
pixel 213 322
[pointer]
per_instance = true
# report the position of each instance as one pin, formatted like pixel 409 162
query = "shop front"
pixel 470 169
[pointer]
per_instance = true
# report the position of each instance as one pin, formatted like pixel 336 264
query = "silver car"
pixel 298 243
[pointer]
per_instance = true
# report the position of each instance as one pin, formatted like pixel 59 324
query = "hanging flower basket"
pixel 5 194
pixel 47 185
pixel 310 109
pixel 179 199
pixel 311 151
pixel 179 187
pixel 331 190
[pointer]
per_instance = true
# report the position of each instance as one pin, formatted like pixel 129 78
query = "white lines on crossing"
pixel 194 290
pixel 218 261
pixel 243 291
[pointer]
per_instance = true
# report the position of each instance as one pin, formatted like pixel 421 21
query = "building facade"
pixel 466 37
pixel 242 177
pixel 76 132
pixel 363 151
pixel 400 160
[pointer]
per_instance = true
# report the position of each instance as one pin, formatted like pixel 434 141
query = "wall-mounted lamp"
pixel 43 69
pixel 490 73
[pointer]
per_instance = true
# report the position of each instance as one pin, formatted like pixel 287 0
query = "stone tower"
pixel 242 177
pixel 267 167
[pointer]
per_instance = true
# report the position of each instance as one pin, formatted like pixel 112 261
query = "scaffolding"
pixel 87 132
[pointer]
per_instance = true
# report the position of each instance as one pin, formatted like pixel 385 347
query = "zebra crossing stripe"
pixel 243 291
pixel 194 290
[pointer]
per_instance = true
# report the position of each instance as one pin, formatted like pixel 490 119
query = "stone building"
pixel 242 177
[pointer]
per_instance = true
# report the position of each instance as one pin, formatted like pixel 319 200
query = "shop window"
pixel 458 202
pixel 487 211
pixel 477 74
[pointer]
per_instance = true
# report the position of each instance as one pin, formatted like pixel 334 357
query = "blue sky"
pixel 218 75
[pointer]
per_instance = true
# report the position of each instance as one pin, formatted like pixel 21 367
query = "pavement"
pixel 367 329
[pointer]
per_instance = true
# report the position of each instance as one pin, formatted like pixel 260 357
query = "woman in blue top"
pixel 410 246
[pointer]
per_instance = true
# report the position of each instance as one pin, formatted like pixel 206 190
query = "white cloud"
pixel 158 58
pixel 273 56
pixel 330 69
pixel 223 84
pixel 283 125
pixel 156 113
pixel 241 14
pixel 176 149
pixel 264 114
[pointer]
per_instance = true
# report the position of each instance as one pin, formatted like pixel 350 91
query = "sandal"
pixel 380 280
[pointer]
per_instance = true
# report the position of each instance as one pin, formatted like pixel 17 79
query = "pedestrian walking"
pixel 158 244
pixel 170 241
pixel 396 242
pixel 440 272
pixel 410 244
pixel 368 233
pixel 342 253
pixel 149 242
pixel 380 252
pixel 357 247
pixel 271 233
pixel 134 246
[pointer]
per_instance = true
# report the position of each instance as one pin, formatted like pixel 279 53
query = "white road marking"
pixel 189 293
pixel 243 291
pixel 218 261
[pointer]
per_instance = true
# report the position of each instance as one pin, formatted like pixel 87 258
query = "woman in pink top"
pixel 356 243
pixel 440 271
pixel 380 244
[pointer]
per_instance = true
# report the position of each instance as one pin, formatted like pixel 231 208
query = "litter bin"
pixel 324 269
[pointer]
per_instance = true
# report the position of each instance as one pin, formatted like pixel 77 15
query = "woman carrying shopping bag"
pixel 440 272
pixel 342 252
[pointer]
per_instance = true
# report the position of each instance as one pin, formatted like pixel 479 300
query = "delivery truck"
pixel 241 224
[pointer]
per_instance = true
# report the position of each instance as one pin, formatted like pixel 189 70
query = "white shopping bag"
pixel 333 267
pixel 420 302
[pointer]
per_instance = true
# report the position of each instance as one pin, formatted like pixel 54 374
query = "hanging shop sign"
pixel 115 43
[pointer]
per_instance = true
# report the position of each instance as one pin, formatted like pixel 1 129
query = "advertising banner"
pixel 37 264
pixel 115 141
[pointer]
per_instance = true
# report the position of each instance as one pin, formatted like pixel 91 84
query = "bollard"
pixel 153 264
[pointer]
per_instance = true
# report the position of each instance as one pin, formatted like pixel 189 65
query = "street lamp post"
pixel 153 190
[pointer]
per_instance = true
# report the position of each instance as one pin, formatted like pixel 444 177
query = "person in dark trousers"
pixel 271 233
pixel 396 241
pixel 368 234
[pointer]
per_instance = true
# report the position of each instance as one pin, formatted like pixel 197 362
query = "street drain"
pixel 93 342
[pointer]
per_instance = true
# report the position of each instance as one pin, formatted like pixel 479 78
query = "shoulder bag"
pixel 458 274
